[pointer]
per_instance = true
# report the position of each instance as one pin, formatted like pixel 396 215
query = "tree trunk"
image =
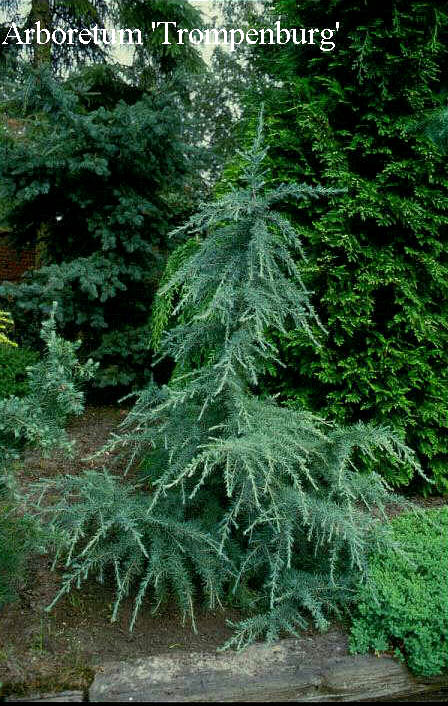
pixel 41 12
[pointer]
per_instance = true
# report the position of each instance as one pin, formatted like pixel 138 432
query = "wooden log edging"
pixel 260 673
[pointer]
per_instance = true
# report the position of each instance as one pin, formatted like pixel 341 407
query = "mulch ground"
pixel 50 652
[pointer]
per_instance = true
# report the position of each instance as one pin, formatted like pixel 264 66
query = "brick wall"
pixel 14 264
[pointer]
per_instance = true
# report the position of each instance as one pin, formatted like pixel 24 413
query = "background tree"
pixel 379 254
pixel 97 191
pixel 103 166
pixel 155 61
pixel 58 13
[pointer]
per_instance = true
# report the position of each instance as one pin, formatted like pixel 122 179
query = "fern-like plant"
pixel 240 494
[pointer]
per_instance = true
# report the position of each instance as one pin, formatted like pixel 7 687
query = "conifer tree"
pixel 239 492
pixel 65 14
pixel 154 60
pixel 352 118
pixel 54 394
pixel 96 192
pixel 97 167
pixel 35 421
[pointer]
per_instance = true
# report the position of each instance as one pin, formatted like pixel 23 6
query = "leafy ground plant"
pixel 14 361
pixel 241 499
pixel 5 323
pixel 403 606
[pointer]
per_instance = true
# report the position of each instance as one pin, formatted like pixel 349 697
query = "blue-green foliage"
pixel 403 606
pixel 158 549
pixel 96 190
pixel 39 417
pixel 19 536
pixel 164 304
pixel 276 508
pixel 35 420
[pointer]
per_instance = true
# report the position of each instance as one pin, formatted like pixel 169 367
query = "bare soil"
pixel 44 652
pixel 60 650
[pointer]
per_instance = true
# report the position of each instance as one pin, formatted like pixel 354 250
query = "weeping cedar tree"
pixel 378 256
pixel 239 494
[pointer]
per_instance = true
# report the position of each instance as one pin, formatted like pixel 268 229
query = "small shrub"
pixel 13 364
pixel 54 394
pixel 35 420
pixel 403 607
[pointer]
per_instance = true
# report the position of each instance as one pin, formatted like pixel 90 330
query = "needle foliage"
pixel 96 193
pixel 54 394
pixel 35 420
pixel 241 500
pixel 355 118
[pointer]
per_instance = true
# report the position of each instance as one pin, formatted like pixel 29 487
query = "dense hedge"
pixel 378 265
pixel 403 607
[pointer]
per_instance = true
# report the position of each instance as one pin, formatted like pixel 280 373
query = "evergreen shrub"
pixel 240 500
pixel 35 420
pixel 96 190
pixel 378 255
pixel 54 394
pixel 403 606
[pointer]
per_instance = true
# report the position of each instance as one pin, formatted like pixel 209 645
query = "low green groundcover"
pixel 403 607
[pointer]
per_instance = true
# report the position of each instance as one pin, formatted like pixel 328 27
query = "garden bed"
pixel 63 649
pixel 60 650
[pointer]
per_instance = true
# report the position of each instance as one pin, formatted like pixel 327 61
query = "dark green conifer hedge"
pixel 379 255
